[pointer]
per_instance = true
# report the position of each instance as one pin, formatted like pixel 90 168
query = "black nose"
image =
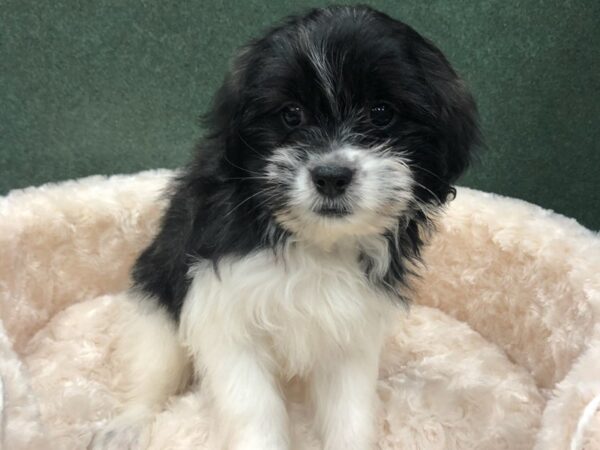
pixel 332 180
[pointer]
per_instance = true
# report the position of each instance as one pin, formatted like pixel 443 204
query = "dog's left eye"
pixel 381 115
pixel 293 115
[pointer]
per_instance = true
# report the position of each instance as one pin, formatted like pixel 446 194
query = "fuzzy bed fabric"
pixel 500 351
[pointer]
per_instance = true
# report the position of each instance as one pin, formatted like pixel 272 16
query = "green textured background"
pixel 117 86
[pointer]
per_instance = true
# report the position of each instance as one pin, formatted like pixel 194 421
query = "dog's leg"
pixel 344 396
pixel 152 366
pixel 248 399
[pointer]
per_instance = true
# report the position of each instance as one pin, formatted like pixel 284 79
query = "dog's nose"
pixel 332 180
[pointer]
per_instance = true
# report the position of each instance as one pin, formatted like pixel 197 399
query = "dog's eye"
pixel 293 115
pixel 381 115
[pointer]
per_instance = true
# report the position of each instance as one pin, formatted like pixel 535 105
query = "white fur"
pixel 316 52
pixel 267 318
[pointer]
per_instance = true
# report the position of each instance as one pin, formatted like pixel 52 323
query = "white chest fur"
pixel 295 309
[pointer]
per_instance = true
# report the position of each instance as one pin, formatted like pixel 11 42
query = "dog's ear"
pixel 224 119
pixel 452 106
pixel 225 110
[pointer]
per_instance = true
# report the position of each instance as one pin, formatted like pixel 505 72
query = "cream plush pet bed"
pixel 500 351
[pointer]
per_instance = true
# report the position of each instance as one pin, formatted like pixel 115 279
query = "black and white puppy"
pixel 333 142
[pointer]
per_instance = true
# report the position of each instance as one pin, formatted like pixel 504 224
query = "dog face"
pixel 342 129
pixel 342 122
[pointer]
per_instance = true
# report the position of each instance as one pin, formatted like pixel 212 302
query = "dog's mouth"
pixel 333 211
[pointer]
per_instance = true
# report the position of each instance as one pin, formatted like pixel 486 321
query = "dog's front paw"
pixel 129 431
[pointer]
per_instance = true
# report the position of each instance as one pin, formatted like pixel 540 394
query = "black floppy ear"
pixel 454 111
pixel 224 119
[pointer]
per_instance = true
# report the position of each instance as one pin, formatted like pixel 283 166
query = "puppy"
pixel 288 240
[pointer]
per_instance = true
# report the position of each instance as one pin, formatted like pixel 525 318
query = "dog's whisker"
pixel 263 178
pixel 240 168
pixel 428 190
pixel 249 146
pixel 437 177
pixel 231 211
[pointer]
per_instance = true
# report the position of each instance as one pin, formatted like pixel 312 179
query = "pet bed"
pixel 501 349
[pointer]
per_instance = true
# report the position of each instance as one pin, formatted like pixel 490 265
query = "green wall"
pixel 112 86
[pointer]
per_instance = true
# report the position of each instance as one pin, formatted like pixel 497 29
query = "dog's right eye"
pixel 293 115
pixel 382 115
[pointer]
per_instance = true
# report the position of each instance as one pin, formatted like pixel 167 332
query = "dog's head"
pixel 341 123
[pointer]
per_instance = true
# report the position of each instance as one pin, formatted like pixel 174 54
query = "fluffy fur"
pixel 530 288
pixel 331 146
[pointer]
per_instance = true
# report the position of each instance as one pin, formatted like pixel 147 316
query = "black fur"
pixel 216 207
